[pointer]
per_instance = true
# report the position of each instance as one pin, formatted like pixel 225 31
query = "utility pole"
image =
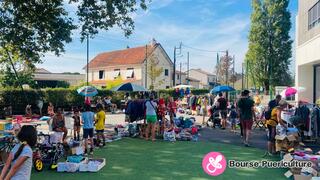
pixel 188 68
pixel 242 76
pixel 247 74
pixel 88 60
pixel 174 62
pixel 233 72
pixel 217 69
pixel 146 74
pixel 180 74
pixel 227 66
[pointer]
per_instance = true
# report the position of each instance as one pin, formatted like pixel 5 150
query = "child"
pixel 100 121
pixel 20 158
pixel 76 125
pixel 172 108
pixel 233 117
pixel 169 134
pixel 87 121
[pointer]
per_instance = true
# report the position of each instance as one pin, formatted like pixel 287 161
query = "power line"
pixel 203 50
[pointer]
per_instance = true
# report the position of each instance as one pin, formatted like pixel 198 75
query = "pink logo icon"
pixel 214 163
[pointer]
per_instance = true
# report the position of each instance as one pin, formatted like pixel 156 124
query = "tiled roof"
pixel 134 55
pixel 42 70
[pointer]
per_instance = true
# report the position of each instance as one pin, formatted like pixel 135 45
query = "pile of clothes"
pixel 185 129
pixel 307 155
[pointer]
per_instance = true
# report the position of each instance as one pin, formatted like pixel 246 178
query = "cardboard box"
pixel 77 150
pixel 287 158
pixel 68 167
pixel 291 138
pixel 301 177
pixel 281 138
pixel 86 166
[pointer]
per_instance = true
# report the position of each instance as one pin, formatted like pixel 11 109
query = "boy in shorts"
pixel 87 121
pixel 100 121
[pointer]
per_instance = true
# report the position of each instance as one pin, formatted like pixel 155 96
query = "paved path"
pixel 210 134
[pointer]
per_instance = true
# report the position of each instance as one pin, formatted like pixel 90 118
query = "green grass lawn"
pixel 138 159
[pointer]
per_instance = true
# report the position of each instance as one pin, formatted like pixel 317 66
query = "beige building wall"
pixel 304 34
pixel 109 72
pixel 165 63
pixel 203 78
pixel 307 51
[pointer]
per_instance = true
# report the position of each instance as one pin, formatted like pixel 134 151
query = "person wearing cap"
pixel 271 125
pixel 246 114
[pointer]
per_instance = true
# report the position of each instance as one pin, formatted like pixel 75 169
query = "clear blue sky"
pixel 204 24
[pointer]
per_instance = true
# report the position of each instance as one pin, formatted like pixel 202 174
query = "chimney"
pixel 153 42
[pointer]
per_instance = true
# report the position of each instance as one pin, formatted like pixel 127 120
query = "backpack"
pixel 267 114
pixel 233 114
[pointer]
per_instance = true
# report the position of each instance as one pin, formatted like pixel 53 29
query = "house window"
pixel 167 87
pixel 314 16
pixel 101 74
pixel 116 73
pixel 130 73
pixel 178 76
pixel 166 72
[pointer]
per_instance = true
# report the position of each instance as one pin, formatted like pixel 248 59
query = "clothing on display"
pixel 315 121
pixel 135 110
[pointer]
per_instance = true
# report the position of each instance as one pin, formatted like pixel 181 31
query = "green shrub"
pixel 62 97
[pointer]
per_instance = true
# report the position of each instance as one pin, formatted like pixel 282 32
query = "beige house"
pixel 131 66
pixel 207 80
pixel 181 78
pixel 307 49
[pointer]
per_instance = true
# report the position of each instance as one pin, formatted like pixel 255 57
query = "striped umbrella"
pixel 87 91
pixel 129 87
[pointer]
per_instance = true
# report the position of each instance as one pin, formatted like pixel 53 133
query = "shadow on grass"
pixel 138 159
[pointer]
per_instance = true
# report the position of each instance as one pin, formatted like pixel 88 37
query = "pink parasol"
pixel 290 91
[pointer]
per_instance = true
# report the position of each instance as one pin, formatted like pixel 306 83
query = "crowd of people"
pixel 242 111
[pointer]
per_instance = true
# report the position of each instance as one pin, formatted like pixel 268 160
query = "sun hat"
pixel 283 103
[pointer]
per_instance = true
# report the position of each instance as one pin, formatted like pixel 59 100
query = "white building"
pixel 46 78
pixel 131 64
pixel 308 49
pixel 207 80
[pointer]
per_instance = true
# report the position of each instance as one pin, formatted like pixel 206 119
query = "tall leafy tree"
pixel 224 70
pixel 29 29
pixel 269 54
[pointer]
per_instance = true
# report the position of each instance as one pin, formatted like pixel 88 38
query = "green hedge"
pixel 62 97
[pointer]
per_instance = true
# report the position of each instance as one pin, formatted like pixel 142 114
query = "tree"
pixel 9 79
pixel 224 70
pixel 29 29
pixel 114 83
pixel 268 57
pixel 154 72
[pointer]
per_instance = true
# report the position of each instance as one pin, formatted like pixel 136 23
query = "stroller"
pixel 47 152
pixel 214 119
